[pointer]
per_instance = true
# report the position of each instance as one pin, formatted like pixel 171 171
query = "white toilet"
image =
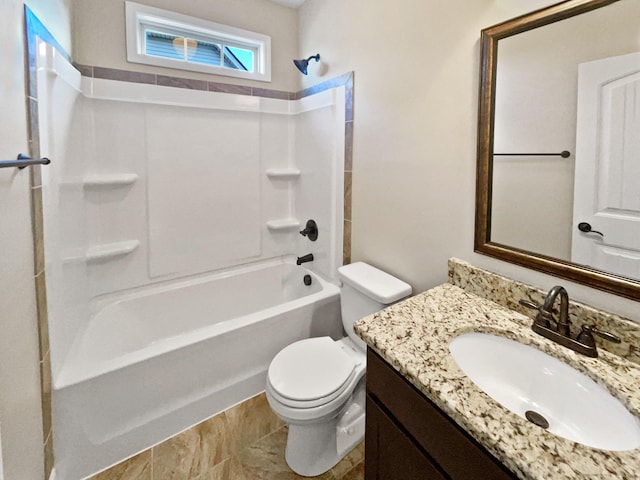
pixel 317 385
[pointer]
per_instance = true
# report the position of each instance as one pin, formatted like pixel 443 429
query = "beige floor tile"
pixel 195 451
pixel 265 460
pixel 229 469
pixel 136 468
pixel 353 458
pixel 356 473
pixel 252 420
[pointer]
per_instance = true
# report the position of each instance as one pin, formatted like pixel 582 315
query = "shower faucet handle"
pixel 310 231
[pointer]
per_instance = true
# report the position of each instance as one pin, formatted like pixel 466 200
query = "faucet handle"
pixel 535 306
pixel 543 318
pixel 586 335
pixel 310 230
pixel 531 305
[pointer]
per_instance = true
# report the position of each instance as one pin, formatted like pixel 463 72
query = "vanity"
pixel 426 419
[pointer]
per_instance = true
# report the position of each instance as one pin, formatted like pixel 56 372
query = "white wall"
pixel 99 35
pixel 20 408
pixel 415 108
pixel 1 466
pixel 56 16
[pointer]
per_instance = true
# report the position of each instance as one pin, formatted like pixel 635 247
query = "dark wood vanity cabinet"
pixel 408 437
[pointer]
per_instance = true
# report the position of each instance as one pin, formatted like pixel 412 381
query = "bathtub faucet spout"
pixel 305 259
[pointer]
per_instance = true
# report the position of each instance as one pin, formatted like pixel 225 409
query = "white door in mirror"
pixel 607 170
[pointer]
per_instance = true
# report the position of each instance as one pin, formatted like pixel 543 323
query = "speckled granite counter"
pixel 413 336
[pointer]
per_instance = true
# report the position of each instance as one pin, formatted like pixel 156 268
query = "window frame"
pixel 140 18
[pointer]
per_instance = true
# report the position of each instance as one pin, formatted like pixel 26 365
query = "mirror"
pixel 558 173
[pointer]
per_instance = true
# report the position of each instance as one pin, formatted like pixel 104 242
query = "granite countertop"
pixel 413 336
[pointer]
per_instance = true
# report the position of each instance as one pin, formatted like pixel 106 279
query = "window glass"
pixel 244 58
pixel 163 38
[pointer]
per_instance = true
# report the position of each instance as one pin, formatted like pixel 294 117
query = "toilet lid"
pixel 310 369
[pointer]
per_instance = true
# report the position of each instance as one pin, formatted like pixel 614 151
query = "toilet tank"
pixel 366 290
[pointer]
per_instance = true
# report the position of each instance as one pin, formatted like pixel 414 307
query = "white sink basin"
pixel 524 379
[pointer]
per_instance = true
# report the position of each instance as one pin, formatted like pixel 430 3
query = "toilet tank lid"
pixel 378 285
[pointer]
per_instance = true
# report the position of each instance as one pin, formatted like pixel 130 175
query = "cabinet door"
pixel 453 450
pixel 391 454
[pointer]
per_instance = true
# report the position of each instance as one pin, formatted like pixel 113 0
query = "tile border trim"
pixel 33 29
pixel 133 76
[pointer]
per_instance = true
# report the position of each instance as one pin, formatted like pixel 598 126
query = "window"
pixel 167 39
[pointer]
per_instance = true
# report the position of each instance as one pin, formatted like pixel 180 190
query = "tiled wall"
pixel 178 82
pixel 246 442
pixel 33 28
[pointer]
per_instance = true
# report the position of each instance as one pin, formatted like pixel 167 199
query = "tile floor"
pixel 246 442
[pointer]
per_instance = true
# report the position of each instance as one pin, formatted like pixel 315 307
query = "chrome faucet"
pixel 559 330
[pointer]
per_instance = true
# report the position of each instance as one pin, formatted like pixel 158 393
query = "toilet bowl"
pixel 317 385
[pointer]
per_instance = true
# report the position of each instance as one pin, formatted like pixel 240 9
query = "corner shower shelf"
pixel 283 173
pixel 112 180
pixel 283 224
pixel 107 251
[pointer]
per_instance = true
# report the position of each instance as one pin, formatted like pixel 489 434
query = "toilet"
pixel 317 385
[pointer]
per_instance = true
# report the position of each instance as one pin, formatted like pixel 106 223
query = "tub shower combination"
pixel 171 289
pixel 154 362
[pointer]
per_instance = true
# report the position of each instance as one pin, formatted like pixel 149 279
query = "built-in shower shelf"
pixel 111 180
pixel 283 173
pixel 283 224
pixel 108 251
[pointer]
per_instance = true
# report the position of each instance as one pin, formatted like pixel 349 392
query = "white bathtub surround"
pixel 62 121
pixel 151 183
pixel 161 265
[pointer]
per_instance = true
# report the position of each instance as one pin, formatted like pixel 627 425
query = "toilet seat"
pixel 311 372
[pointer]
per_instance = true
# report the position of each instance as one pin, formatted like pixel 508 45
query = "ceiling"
pixel 289 3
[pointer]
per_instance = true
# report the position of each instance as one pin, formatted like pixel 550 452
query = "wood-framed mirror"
pixel 559 143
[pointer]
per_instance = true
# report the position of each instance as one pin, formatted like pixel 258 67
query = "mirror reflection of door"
pixel 607 166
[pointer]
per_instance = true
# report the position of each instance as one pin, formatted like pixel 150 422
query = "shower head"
pixel 303 63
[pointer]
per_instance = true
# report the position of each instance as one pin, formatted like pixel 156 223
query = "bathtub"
pixel 156 361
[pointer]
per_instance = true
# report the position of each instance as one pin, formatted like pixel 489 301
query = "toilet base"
pixel 313 449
